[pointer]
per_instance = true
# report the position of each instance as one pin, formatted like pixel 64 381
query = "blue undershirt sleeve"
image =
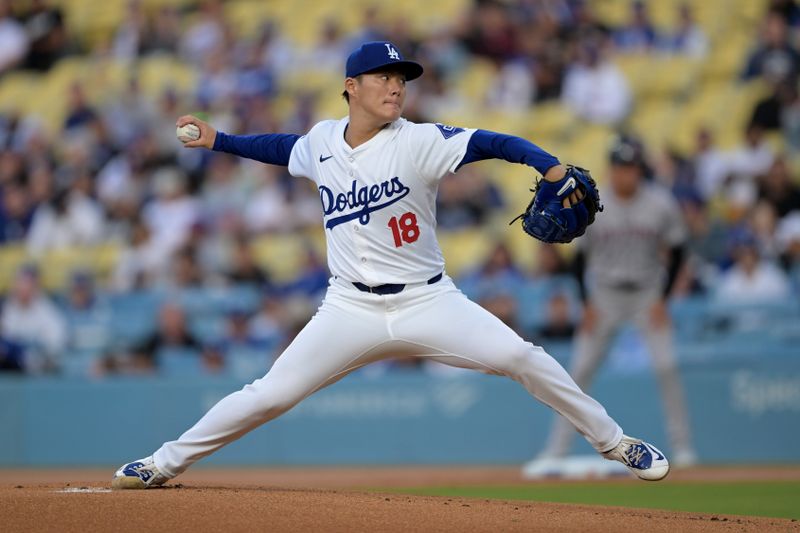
pixel 490 145
pixel 272 148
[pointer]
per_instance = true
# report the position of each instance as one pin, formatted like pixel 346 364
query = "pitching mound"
pixel 215 501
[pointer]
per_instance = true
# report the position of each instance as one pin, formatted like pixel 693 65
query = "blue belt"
pixel 391 288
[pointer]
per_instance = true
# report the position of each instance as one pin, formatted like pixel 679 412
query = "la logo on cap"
pixel 392 52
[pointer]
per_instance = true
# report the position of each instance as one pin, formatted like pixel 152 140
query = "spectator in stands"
pixel 466 199
pixel 224 191
pixel 639 34
pixel 218 77
pixel 255 79
pixel 87 315
pixel 245 268
pixel 688 38
pixel 751 279
pixel 277 53
pixel 769 112
pixel 206 34
pixel 706 245
pixel 369 29
pixel 763 221
pixel 30 318
pixel 748 161
pixel 186 271
pixel 559 324
pixel 594 88
pixel 69 219
pixel 172 333
pixel 131 35
pixel 240 339
pixel 268 208
pixel 777 188
pixel 549 263
pixel 790 123
pixel 141 262
pixel 311 281
pixel 490 31
pixel 329 52
pixel 172 213
pixel 12 356
pixel 788 240
pixel 129 113
pixel 14 42
pixel 123 180
pixel 497 274
pixel 586 22
pixel 44 24
pixel 788 9
pixel 165 30
pixel 775 58
pixel 16 214
pixel 79 112
pixel 512 88
pixel 502 304
pixel 268 325
pixel 710 164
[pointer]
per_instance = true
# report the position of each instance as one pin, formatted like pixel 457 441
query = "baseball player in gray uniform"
pixel 624 278
pixel 377 176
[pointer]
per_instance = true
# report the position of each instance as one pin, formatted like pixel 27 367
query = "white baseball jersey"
pixel 379 199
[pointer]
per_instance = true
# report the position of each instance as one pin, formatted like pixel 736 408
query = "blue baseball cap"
pixel 378 54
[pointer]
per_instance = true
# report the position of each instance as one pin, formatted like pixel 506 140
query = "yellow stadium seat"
pixel 15 89
pixel 158 72
pixel 549 120
pixel 652 121
pixel 12 256
pixel 476 80
pixel 463 249
pixel 281 254
pixel 57 266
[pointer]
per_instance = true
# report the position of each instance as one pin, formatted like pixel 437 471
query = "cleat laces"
pixel 634 454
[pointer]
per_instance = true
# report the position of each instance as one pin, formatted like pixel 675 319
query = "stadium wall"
pixel 747 412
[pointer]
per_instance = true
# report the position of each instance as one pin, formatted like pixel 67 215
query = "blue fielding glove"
pixel 545 217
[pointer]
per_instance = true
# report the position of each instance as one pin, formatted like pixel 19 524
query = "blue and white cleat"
pixel 641 458
pixel 141 474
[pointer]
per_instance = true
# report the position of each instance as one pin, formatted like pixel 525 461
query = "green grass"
pixel 779 499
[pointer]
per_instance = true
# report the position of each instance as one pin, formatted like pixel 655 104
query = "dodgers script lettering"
pixel 359 202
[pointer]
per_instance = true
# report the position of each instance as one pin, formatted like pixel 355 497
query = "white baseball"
pixel 188 133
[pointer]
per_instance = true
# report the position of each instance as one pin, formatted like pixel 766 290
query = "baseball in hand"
pixel 187 133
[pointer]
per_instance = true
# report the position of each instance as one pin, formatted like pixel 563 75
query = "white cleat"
pixel 641 458
pixel 141 474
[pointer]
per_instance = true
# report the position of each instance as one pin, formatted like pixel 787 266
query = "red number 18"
pixel 404 230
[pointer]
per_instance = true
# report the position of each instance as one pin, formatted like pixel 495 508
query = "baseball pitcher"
pixel 377 176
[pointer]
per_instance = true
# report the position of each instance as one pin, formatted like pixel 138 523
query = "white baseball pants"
pixel 354 328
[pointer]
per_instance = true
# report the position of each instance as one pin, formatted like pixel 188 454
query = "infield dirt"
pixel 331 500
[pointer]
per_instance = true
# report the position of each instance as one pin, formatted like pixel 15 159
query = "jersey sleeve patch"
pixel 448 131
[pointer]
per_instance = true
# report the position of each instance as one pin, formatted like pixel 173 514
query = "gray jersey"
pixel 624 245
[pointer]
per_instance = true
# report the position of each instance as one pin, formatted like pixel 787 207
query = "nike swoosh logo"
pixel 323 159
pixel 659 457
pixel 570 184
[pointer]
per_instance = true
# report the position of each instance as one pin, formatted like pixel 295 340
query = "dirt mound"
pixel 280 500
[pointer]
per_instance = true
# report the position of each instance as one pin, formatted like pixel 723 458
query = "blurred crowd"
pixel 187 221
